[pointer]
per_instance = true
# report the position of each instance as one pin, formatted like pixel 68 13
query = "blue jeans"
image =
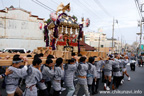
pixel 71 90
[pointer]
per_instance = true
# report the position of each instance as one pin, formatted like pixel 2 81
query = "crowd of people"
pixel 39 79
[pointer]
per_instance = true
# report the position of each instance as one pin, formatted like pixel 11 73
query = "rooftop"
pixel 11 8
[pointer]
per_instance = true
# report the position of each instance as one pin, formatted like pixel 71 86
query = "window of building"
pixel 102 46
pixel 95 39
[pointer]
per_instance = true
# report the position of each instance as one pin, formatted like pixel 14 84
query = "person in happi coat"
pixel 82 73
pixel 98 63
pixel 12 80
pixel 33 77
pixel 58 75
pixel 107 73
pixel 47 72
pixel 70 70
pixel 116 73
pixel 91 74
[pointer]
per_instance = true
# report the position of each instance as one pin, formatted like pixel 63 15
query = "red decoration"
pixel 68 9
pixel 74 36
pixel 60 36
pixel 53 16
pixel 61 43
pixel 87 22
pixel 73 44
pixel 40 25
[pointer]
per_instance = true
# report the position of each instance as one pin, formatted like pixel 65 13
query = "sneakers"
pixel 63 89
pixel 129 78
pixel 75 79
pixel 107 88
pixel 60 92
pixel 122 81
pixel 104 86
pixel 113 87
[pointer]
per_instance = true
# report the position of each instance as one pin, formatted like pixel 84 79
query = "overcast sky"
pixel 100 13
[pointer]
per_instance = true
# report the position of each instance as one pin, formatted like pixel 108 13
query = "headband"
pixel 18 61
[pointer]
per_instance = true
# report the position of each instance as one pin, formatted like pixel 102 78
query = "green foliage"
pixel 75 18
pixel 48 20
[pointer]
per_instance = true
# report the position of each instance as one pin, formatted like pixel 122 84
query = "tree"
pixel 48 20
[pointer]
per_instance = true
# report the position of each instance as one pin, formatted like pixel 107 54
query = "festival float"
pixel 62 31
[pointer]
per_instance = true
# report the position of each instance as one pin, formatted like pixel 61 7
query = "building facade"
pixel 99 41
pixel 20 29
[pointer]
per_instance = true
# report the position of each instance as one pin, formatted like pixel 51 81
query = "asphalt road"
pixel 134 87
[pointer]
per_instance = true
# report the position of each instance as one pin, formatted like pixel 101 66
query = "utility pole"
pixel 121 44
pixel 118 46
pixel 140 36
pixel 99 40
pixel 99 44
pixel 136 38
pixel 113 36
pixel 140 32
pixel 140 25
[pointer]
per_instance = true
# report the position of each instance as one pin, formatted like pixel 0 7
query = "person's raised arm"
pixel 6 73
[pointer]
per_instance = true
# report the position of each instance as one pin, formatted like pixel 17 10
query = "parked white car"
pixel 11 50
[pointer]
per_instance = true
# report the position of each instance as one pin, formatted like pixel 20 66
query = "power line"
pixel 48 8
pixel 76 13
pixel 54 2
pixel 138 8
pixel 92 8
pixel 43 5
pixel 89 9
pixel 101 6
pixel 88 12
pixel 79 10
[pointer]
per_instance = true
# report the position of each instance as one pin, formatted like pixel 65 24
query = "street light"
pixel 138 33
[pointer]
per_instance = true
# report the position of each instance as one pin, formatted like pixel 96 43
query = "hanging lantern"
pixel 53 16
pixel 76 32
pixel 71 31
pixel 62 28
pixel 87 23
pixel 40 25
pixel 66 30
